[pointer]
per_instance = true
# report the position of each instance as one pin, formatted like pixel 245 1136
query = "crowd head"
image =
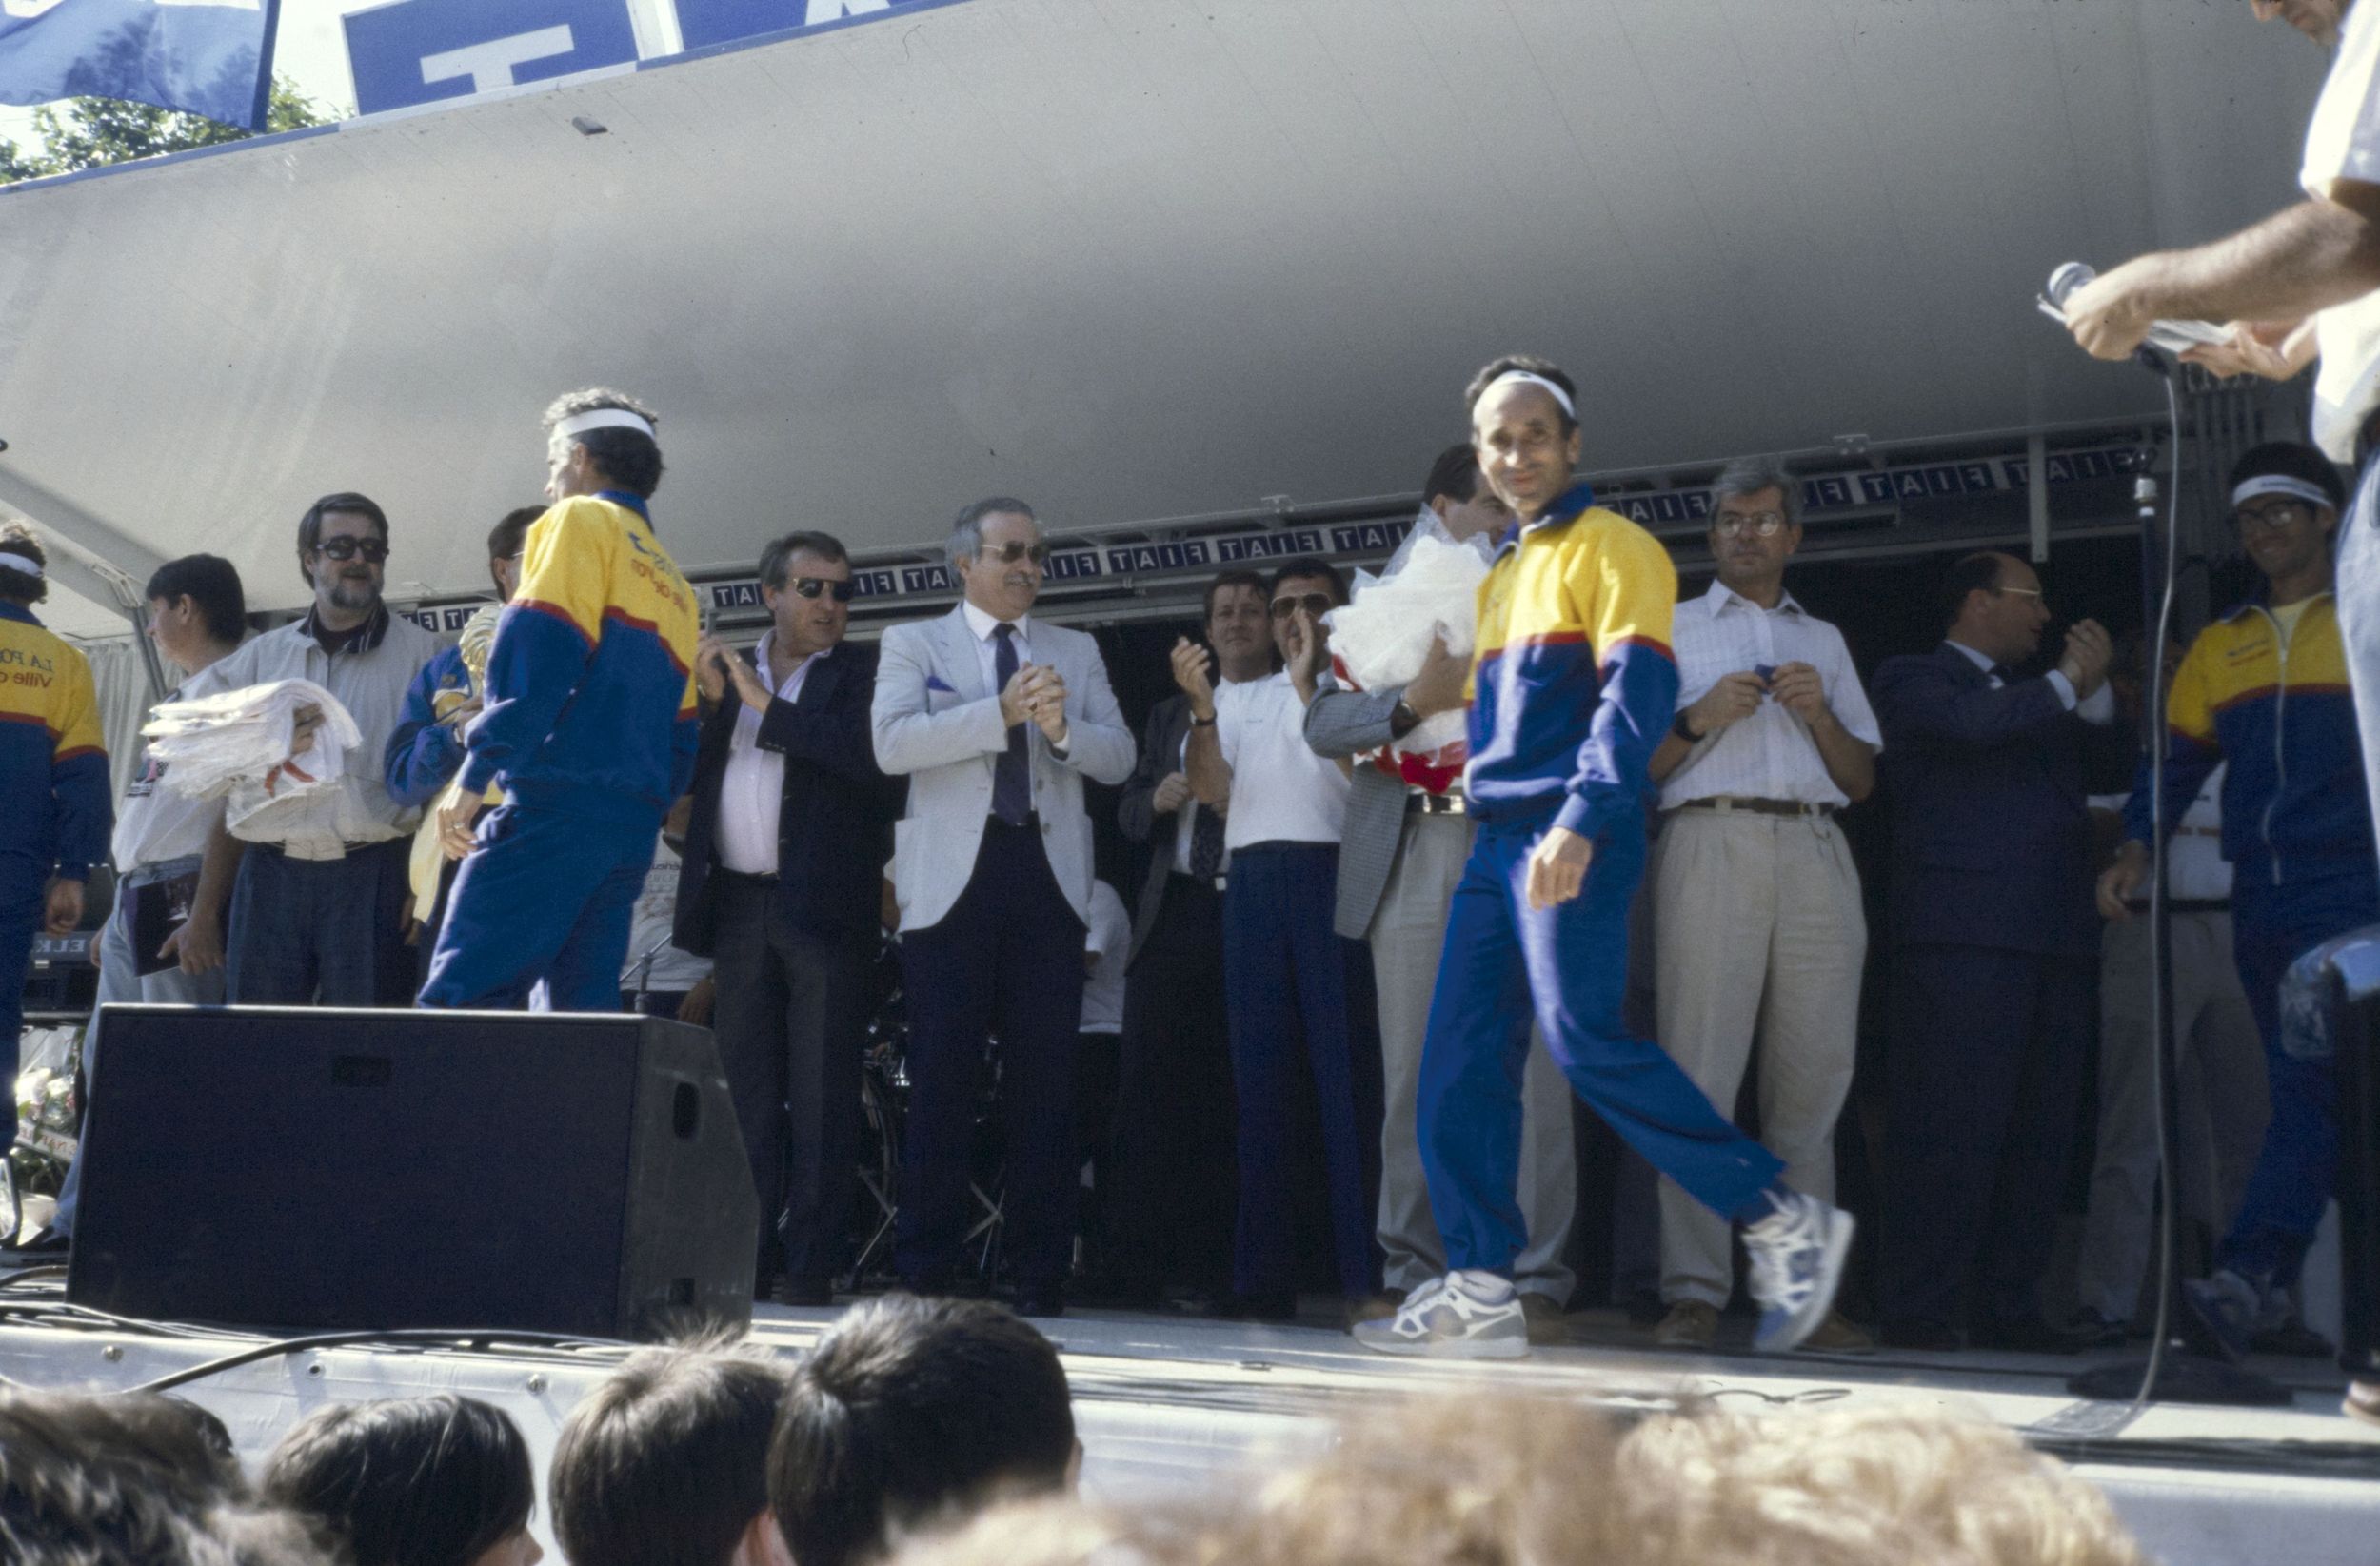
pixel 1237 610
pixel 908 1411
pixel 997 549
pixel 411 1481
pixel 1993 604
pixel 506 542
pixel 195 603
pixel 2286 500
pixel 667 1462
pixel 19 584
pixel 1462 502
pixel 599 439
pixel 1524 427
pixel 343 553
pixel 1755 523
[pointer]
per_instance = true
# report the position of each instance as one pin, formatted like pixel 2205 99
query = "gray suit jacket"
pixel 1341 722
pixel 935 723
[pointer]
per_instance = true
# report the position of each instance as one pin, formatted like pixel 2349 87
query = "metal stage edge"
pixel 1165 1403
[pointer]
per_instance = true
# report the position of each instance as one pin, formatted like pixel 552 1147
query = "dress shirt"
pixel 2100 708
pixel 369 677
pixel 988 649
pixel 752 787
pixel 1771 754
pixel 1281 790
pixel 2195 869
pixel 155 824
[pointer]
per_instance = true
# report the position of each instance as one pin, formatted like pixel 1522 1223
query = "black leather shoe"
pixel 1926 1336
pixel 2025 1334
pixel 1041 1300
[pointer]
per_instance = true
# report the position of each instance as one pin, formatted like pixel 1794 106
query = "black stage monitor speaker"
pixel 331 1169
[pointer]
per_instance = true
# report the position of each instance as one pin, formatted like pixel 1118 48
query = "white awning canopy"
pixel 1128 259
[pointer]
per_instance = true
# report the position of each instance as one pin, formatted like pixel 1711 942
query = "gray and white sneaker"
pixel 1466 1315
pixel 1796 1255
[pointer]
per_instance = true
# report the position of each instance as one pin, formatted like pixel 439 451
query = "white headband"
pixel 606 418
pixel 1512 376
pixel 26 564
pixel 2280 484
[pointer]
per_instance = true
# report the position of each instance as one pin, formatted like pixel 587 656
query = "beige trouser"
pixel 1756 927
pixel 1408 931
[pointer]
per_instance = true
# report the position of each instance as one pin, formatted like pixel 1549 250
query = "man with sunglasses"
pixel 1757 910
pixel 782 888
pixel 318 881
pixel 2265 688
pixel 996 719
pixel 1298 993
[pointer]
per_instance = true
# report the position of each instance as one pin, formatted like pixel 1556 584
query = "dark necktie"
pixel 1012 776
pixel 1207 844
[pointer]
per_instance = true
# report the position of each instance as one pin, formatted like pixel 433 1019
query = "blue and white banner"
pixel 706 22
pixel 417 51
pixel 210 57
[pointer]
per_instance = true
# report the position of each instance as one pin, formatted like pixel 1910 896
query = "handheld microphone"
pixel 2174 337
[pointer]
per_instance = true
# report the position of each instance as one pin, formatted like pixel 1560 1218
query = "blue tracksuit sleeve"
pixel 686 736
pixel 423 753
pixel 537 659
pixel 2187 765
pixel 85 815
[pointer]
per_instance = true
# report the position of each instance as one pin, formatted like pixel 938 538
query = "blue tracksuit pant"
pixel 1571 963
pixel 542 896
pixel 23 895
pixel 2271 927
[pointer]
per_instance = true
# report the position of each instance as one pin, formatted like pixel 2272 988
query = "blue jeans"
pixel 2271 928
pixel 540 896
pixel 121 983
pixel 1570 962
pixel 303 932
pixel 1293 985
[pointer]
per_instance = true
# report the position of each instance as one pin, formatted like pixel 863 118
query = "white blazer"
pixel 935 722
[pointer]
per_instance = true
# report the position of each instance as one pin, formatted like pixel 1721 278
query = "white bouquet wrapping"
pixel 235 744
pixel 1381 636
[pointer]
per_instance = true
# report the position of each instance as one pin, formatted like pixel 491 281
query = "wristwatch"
pixel 1402 720
pixel 1679 727
pixel 1207 722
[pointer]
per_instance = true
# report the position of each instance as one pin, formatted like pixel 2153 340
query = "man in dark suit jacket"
pixel 783 889
pixel 1996 941
pixel 1177 1185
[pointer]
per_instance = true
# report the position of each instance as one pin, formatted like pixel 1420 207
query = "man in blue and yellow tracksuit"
pixel 1573 686
pixel 53 773
pixel 2265 687
pixel 589 729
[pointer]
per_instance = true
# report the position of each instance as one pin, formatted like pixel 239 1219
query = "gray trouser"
pixel 1408 931
pixel 2221 1091
pixel 120 983
pixel 1757 927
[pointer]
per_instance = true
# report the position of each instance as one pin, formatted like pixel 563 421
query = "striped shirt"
pixel 1771 754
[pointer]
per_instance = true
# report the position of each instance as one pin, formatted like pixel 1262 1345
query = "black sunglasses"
pixel 347 549
pixel 810 586
pixel 1316 604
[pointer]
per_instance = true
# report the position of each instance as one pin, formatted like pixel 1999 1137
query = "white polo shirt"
pixel 1281 790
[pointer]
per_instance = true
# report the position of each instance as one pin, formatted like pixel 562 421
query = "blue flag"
pixel 210 57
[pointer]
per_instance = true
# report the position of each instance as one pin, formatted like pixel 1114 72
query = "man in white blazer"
pixel 995 717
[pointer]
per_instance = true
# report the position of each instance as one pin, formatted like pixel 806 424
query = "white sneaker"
pixel 1796 1255
pixel 1467 1315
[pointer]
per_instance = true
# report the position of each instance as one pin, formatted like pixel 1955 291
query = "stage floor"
pixel 1168 1402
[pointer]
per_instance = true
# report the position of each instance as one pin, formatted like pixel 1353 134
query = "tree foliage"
pixel 93 132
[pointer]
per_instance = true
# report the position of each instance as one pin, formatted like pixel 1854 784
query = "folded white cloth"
pixel 235 744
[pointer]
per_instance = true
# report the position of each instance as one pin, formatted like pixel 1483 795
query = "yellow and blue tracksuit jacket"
pixel 2294 808
pixel 51 755
pixel 590 700
pixel 1572 682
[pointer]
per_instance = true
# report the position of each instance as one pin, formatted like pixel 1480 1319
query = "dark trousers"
pixel 545 897
pixel 1289 976
pixel 23 887
pixel 790 1019
pixel 1171 1205
pixel 1984 1081
pixel 331 930
pixel 1008 961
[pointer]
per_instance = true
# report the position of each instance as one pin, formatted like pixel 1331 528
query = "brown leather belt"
pixel 1722 804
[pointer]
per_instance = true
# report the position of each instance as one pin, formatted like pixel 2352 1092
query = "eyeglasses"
pixel 1316 604
pixel 1008 554
pixel 2029 592
pixel 810 586
pixel 1759 525
pixel 2270 518
pixel 347 549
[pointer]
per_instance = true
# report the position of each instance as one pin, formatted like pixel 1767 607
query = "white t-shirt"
pixel 1110 943
pixel 672 970
pixel 156 824
pixel 1281 790
pixel 2195 869
pixel 2343 143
